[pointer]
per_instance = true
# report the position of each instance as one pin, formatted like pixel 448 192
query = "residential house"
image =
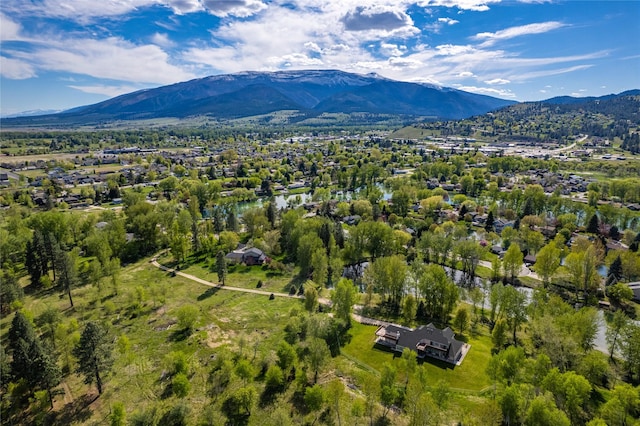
pixel 426 340
pixel 248 255
pixel 500 224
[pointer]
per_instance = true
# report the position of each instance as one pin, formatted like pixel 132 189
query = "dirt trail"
pixel 68 396
pixel 155 263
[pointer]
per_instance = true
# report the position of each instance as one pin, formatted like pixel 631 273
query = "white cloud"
pixel 239 8
pixel 530 75
pixel 9 30
pixel 448 21
pixel 184 6
pixel 475 5
pixel 465 74
pixel 16 69
pixel 376 18
pixel 405 63
pixel 77 10
pixel 110 91
pixel 497 81
pixel 508 33
pixel 390 49
pixel 501 93
pixel 162 40
pixel 111 58
pixel 453 50
pixel 294 60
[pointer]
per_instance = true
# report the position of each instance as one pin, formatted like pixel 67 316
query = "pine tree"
pixel 488 226
pixel 21 328
pixel 47 372
pixel 218 219
pixel 594 225
pixel 67 272
pixel 36 260
pixel 615 271
pixel 93 352
pixel 221 266
pixel 272 212
pixel 232 220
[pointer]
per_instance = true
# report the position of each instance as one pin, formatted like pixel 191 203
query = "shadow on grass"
pixel 77 411
pixel 180 335
pixel 208 293
pixel 426 360
pixel 269 395
pixel 436 363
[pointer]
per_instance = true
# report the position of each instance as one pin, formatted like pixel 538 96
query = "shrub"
pixel 187 316
pixel 180 385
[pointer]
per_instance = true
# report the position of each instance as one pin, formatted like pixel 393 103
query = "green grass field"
pixel 469 377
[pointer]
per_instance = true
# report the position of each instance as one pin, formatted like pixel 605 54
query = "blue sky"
pixel 58 54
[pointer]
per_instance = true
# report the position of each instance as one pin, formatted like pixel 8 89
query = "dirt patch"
pixel 216 336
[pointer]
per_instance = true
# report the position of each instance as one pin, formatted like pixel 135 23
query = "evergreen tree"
pixel 527 210
pixel 47 373
pixel 36 260
pixel 67 272
pixel 218 219
pixel 272 212
pixel 221 266
pixel 232 220
pixel 21 328
pixel 615 271
pixel 594 225
pixel 93 352
pixel 51 249
pixel 488 226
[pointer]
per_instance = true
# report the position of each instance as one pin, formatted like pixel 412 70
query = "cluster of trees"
pixel 30 367
pixel 554 380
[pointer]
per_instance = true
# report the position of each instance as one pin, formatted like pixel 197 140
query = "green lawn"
pixel 468 377
pixel 245 276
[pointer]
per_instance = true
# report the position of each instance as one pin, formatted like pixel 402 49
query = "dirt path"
pixel 155 263
pixel 68 396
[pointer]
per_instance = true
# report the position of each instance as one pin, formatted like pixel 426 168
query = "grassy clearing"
pixel 470 377
pixel 139 378
pixel 244 276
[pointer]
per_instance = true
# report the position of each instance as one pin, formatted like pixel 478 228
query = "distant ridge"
pixel 248 94
pixel 564 100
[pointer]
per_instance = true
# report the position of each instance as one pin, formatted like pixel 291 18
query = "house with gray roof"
pixel 426 340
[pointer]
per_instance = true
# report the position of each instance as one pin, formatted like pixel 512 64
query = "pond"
pixel 284 201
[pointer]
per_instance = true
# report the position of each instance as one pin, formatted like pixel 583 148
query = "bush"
pixel 187 316
pixel 180 385
pixel 117 414
pixel 177 416
pixel 178 362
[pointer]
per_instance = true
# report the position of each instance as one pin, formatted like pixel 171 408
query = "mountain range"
pixel 248 94
pixel 299 97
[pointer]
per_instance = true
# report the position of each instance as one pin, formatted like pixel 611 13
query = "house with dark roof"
pixel 426 340
pixel 248 255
